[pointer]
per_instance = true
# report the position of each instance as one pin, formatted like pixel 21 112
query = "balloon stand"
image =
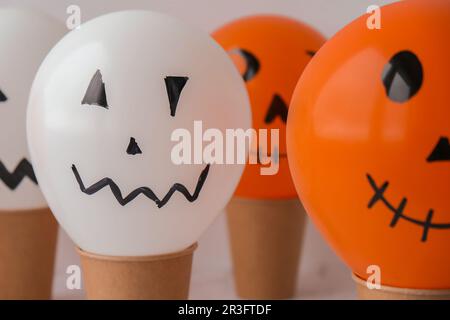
pixel 392 293
pixel 158 277
pixel 266 239
pixel 27 253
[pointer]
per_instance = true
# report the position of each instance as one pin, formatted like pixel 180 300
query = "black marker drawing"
pixel 142 190
pixel 23 169
pixel 398 211
pixel 402 76
pixel 96 93
pixel 311 53
pixel 174 86
pixel 252 63
pixel 277 108
pixel 441 152
pixel 133 147
pixel 3 98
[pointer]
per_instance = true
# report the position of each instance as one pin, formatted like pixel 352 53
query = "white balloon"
pixel 25 38
pixel 132 52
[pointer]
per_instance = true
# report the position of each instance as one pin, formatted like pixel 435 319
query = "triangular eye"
pixel 402 76
pixel 174 86
pixel 441 151
pixel 252 63
pixel 3 98
pixel 277 108
pixel 95 93
pixel 311 53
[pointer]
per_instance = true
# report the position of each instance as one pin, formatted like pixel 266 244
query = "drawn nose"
pixel 277 108
pixel 133 147
pixel 441 151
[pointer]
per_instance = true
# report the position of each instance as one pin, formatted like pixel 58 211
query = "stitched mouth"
pixel 13 179
pixel 142 190
pixel 399 211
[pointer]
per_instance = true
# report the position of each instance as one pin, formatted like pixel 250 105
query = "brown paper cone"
pixel 27 253
pixel 266 238
pixel 392 293
pixel 161 277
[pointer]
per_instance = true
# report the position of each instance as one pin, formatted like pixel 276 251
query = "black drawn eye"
pixel 311 53
pixel 441 152
pixel 95 93
pixel 174 86
pixel 133 147
pixel 402 76
pixel 251 62
pixel 3 98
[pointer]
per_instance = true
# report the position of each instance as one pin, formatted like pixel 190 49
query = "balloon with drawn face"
pixel 25 38
pixel 368 143
pixel 102 111
pixel 271 53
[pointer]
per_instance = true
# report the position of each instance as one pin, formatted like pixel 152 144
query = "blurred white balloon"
pixel 26 36
pixel 104 105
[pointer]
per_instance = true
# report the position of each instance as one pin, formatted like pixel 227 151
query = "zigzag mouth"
pixel 23 169
pixel 398 211
pixel 142 190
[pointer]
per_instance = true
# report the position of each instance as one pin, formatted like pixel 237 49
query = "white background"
pixel 322 274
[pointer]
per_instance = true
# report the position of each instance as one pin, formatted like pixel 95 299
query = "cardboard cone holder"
pixel 27 253
pixel 266 238
pixel 158 277
pixel 393 293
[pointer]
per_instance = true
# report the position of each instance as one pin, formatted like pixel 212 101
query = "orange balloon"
pixel 368 144
pixel 271 52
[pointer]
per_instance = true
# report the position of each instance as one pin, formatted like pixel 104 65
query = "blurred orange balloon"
pixel 271 52
pixel 368 144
